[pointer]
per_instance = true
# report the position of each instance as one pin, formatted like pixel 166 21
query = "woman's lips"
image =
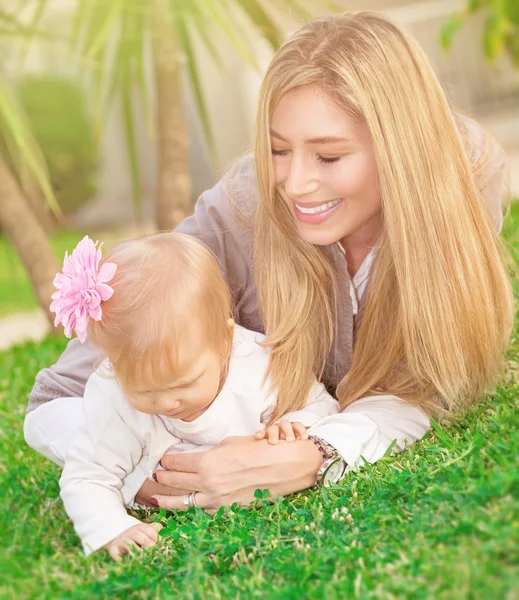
pixel 318 217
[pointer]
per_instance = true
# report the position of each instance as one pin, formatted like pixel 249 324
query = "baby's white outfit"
pixel 118 447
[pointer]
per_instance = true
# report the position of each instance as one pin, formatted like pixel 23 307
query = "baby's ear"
pixel 230 323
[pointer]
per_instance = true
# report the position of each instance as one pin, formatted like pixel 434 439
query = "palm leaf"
pixel 21 146
pixel 221 20
pixel 110 38
pixel 139 69
pixel 11 25
pixel 127 106
pixel 200 24
pixel 185 42
pixel 261 21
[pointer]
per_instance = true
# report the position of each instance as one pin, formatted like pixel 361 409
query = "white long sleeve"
pixel 320 404
pixel 367 427
pixel 105 453
pixel 53 428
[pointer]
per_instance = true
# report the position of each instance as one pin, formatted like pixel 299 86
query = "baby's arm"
pixel 105 452
pixel 294 424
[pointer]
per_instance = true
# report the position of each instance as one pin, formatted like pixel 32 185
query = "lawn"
pixel 440 520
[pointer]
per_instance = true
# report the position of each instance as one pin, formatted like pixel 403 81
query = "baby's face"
pixel 193 390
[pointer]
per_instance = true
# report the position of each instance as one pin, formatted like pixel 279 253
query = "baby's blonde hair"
pixel 163 282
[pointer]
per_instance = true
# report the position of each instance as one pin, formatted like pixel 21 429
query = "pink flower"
pixel 81 287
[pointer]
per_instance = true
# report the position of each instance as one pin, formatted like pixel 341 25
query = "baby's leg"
pixel 52 427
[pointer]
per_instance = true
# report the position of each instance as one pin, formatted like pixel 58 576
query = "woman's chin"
pixel 319 235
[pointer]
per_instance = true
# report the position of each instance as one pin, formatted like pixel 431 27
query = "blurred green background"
pixel 115 116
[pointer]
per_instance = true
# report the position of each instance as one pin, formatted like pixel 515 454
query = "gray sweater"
pixel 222 220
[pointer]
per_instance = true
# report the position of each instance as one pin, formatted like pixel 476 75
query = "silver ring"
pixel 189 501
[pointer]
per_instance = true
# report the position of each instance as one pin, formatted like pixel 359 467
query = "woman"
pixel 367 230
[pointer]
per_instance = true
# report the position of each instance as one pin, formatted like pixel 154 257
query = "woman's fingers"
pixel 149 488
pixel 177 502
pixel 185 463
pixel 178 480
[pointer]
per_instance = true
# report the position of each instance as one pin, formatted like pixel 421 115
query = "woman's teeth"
pixel 320 208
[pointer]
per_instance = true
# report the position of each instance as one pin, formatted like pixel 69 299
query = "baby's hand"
pixel 284 430
pixel 143 535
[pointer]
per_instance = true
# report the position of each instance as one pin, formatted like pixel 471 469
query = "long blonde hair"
pixel 439 308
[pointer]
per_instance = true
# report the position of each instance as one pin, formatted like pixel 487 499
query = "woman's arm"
pixel 366 428
pixel 237 467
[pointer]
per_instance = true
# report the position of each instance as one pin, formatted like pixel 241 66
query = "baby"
pixel 179 376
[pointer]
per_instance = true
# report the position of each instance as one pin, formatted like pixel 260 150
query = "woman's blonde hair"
pixel 164 283
pixel 439 308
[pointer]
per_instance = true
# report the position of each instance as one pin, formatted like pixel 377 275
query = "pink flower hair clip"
pixel 81 287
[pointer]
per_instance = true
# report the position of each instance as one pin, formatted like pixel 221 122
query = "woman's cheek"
pixel 279 168
pixel 352 177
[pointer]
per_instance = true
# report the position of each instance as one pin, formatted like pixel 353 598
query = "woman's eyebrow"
pixel 327 139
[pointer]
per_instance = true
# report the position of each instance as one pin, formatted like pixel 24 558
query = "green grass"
pixel 440 520
pixel 15 291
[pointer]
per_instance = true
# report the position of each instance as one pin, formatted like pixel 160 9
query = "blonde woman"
pixel 362 238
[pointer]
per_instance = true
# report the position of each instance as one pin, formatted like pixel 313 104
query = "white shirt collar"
pixel 360 280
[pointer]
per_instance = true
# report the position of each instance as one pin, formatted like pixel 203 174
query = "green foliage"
pixel 58 119
pixel 118 68
pixel 439 520
pixel 15 290
pixel 15 135
pixel 501 32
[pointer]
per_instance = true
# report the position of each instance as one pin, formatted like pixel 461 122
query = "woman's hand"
pixel 233 470
pixel 151 488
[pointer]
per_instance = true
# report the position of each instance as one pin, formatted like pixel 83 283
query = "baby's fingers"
pixel 287 431
pixel 300 430
pixel 142 537
pixel 152 531
pixel 117 549
pixel 114 553
pixel 273 434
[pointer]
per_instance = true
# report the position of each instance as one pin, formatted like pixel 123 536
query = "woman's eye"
pixel 327 160
pixel 279 152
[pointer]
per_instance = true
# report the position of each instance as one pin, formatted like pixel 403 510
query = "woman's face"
pixel 324 169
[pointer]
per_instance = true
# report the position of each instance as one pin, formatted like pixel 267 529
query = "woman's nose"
pixel 302 178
